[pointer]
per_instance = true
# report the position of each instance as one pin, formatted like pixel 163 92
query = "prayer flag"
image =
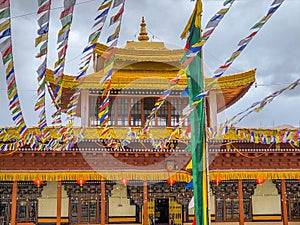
pixel 66 12
pixel 4 45
pixel 4 13
pixel 43 19
pixel 66 20
pixel 69 3
pixel 41 38
pixel 44 7
pixel 117 16
pixel 44 29
pixel 4 4
pixel 104 6
pixel 6 33
pixel 5 25
pixel 117 3
pixel 197 145
pixel 104 13
pixel 41 2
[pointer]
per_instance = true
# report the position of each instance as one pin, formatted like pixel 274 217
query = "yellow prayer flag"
pixel 12 94
pixel 189 165
pixel 41 38
pixel 9 66
pixel 105 6
pixel 223 11
pixel 64 29
pixel 235 54
pixel 5 25
pixel 201 43
pixel 197 12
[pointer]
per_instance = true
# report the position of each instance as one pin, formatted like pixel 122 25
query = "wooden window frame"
pixel 225 211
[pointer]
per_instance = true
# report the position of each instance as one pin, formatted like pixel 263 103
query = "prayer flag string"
pixel 42 39
pixel 8 62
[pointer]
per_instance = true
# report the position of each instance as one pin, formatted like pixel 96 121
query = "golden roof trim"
pixel 142 53
pixel 10 133
pixel 68 80
pixel 122 79
pixel 58 175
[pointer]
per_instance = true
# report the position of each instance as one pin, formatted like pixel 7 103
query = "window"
pixel 227 201
pixel 84 209
pixel 292 197
pixel 88 211
pixel 136 112
pixel 168 114
pixel 294 208
pixel 175 111
pixel 94 105
pixel 227 209
pixel 122 116
pixel 4 211
pixel 94 109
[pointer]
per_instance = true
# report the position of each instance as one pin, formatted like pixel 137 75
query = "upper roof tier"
pixel 150 65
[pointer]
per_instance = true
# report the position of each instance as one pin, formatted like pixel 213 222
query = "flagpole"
pixel 197 118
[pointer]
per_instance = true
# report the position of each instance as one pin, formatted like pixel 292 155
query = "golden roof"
pixel 146 65
pixel 228 89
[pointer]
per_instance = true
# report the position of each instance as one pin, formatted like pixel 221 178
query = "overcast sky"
pixel 274 51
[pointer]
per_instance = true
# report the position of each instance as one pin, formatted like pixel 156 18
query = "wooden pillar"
pixel 58 203
pixel 283 203
pixel 241 201
pixel 14 203
pixel 145 205
pixel 103 203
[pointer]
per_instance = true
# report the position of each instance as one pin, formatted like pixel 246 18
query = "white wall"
pixel 266 199
pixel 119 205
pixel 47 202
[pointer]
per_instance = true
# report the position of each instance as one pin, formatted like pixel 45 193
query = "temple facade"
pixel 125 177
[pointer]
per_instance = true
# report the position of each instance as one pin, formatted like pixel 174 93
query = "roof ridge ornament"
pixel 143 35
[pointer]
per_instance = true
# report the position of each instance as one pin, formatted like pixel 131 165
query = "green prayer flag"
pixel 197 118
pixel 94 37
pixel 7 58
pixel 41 2
pixel 4 13
pixel 66 20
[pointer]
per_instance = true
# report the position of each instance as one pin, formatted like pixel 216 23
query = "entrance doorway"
pixel 162 211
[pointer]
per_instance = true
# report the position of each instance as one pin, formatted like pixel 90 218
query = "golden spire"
pixel 143 33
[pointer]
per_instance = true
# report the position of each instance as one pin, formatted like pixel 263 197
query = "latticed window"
pixel 294 208
pixel 26 205
pixel 168 114
pixel 292 197
pixel 227 201
pixel 84 209
pixel 136 112
pixel 176 111
pixel 227 209
pixel 85 201
pixel 122 116
pixel 162 115
pixel 26 210
pixel 4 211
pixel 94 109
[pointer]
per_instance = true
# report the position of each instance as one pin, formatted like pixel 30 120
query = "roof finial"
pixel 143 33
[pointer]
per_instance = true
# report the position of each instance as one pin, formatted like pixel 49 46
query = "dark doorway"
pixel 162 211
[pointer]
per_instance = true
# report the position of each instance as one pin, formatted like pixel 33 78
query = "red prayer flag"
pixel 44 7
pixel 4 4
pixel 66 12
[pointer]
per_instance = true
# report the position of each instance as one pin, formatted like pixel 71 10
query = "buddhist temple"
pixel 126 178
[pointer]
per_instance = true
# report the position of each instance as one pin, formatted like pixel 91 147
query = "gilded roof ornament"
pixel 143 36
